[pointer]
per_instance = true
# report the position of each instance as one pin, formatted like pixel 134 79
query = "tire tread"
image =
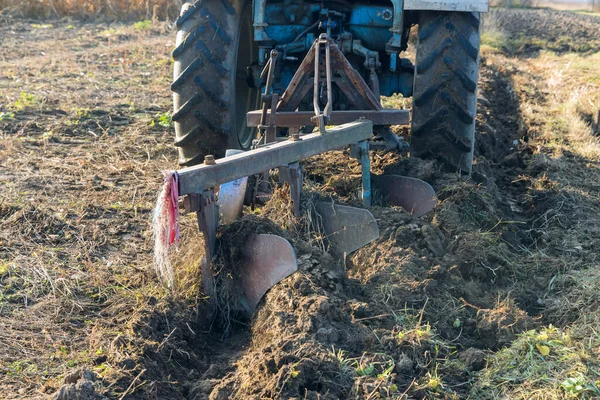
pixel 445 95
pixel 202 114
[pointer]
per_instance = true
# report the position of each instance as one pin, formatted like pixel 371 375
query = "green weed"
pixel 27 100
pixel 21 367
pixel 165 62
pixel 82 113
pixel 143 25
pixel 42 26
pixel 79 115
pixel 493 39
pixel 396 102
pixel 163 120
pixel 387 372
pixel 109 32
pixel 3 269
pixel 102 369
pixel 365 370
pixel 343 361
pixel 579 386
pixel 6 116
pixel 434 381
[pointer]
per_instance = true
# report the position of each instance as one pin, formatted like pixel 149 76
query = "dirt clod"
pixel 498 327
pixel 82 390
pixel 404 365
pixel 474 359
pixel 512 160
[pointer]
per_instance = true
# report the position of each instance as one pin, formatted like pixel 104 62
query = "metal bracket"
pixel 292 174
pixel 370 56
pixel 360 151
pixel 395 43
pixel 269 100
pixel 371 62
pixel 259 21
pixel 350 82
pixel 322 118
pixel 207 213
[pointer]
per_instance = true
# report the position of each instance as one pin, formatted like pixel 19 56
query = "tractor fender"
pixel 448 5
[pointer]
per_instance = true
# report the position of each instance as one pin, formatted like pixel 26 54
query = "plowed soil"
pixel 428 310
pixel 534 30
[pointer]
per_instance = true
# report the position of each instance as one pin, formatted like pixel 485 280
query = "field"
pixel 578 6
pixel 493 296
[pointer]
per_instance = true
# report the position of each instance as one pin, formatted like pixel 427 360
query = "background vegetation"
pixel 118 9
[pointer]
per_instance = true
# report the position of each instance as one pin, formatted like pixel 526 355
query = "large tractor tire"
pixel 445 90
pixel 211 95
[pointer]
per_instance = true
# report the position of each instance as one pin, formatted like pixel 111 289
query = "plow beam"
pixel 304 118
pixel 199 178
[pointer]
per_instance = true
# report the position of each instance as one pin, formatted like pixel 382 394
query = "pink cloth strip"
pixel 173 208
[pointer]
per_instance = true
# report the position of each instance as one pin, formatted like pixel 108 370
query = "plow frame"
pixel 200 184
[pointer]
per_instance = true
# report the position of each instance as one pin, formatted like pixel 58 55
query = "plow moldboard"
pixel 347 228
pixel 414 195
pixel 267 260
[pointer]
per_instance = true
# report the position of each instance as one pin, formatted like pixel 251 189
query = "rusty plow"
pixel 216 190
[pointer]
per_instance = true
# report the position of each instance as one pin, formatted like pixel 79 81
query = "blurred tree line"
pixel 113 9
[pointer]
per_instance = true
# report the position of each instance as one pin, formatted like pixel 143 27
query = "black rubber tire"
pixel 445 89
pixel 211 96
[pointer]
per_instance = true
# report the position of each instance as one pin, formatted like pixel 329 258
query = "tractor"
pixel 222 46
pixel 261 85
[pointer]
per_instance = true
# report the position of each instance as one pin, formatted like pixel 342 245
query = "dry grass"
pixel 79 168
pixel 558 95
pixel 116 9
pixel 547 364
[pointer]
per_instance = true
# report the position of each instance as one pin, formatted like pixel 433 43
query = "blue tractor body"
pixel 372 34
pixel 236 59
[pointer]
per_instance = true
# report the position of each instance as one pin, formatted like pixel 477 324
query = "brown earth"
pixel 413 315
pixel 529 31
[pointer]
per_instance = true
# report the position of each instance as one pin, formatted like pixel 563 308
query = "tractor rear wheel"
pixel 445 89
pixel 214 47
